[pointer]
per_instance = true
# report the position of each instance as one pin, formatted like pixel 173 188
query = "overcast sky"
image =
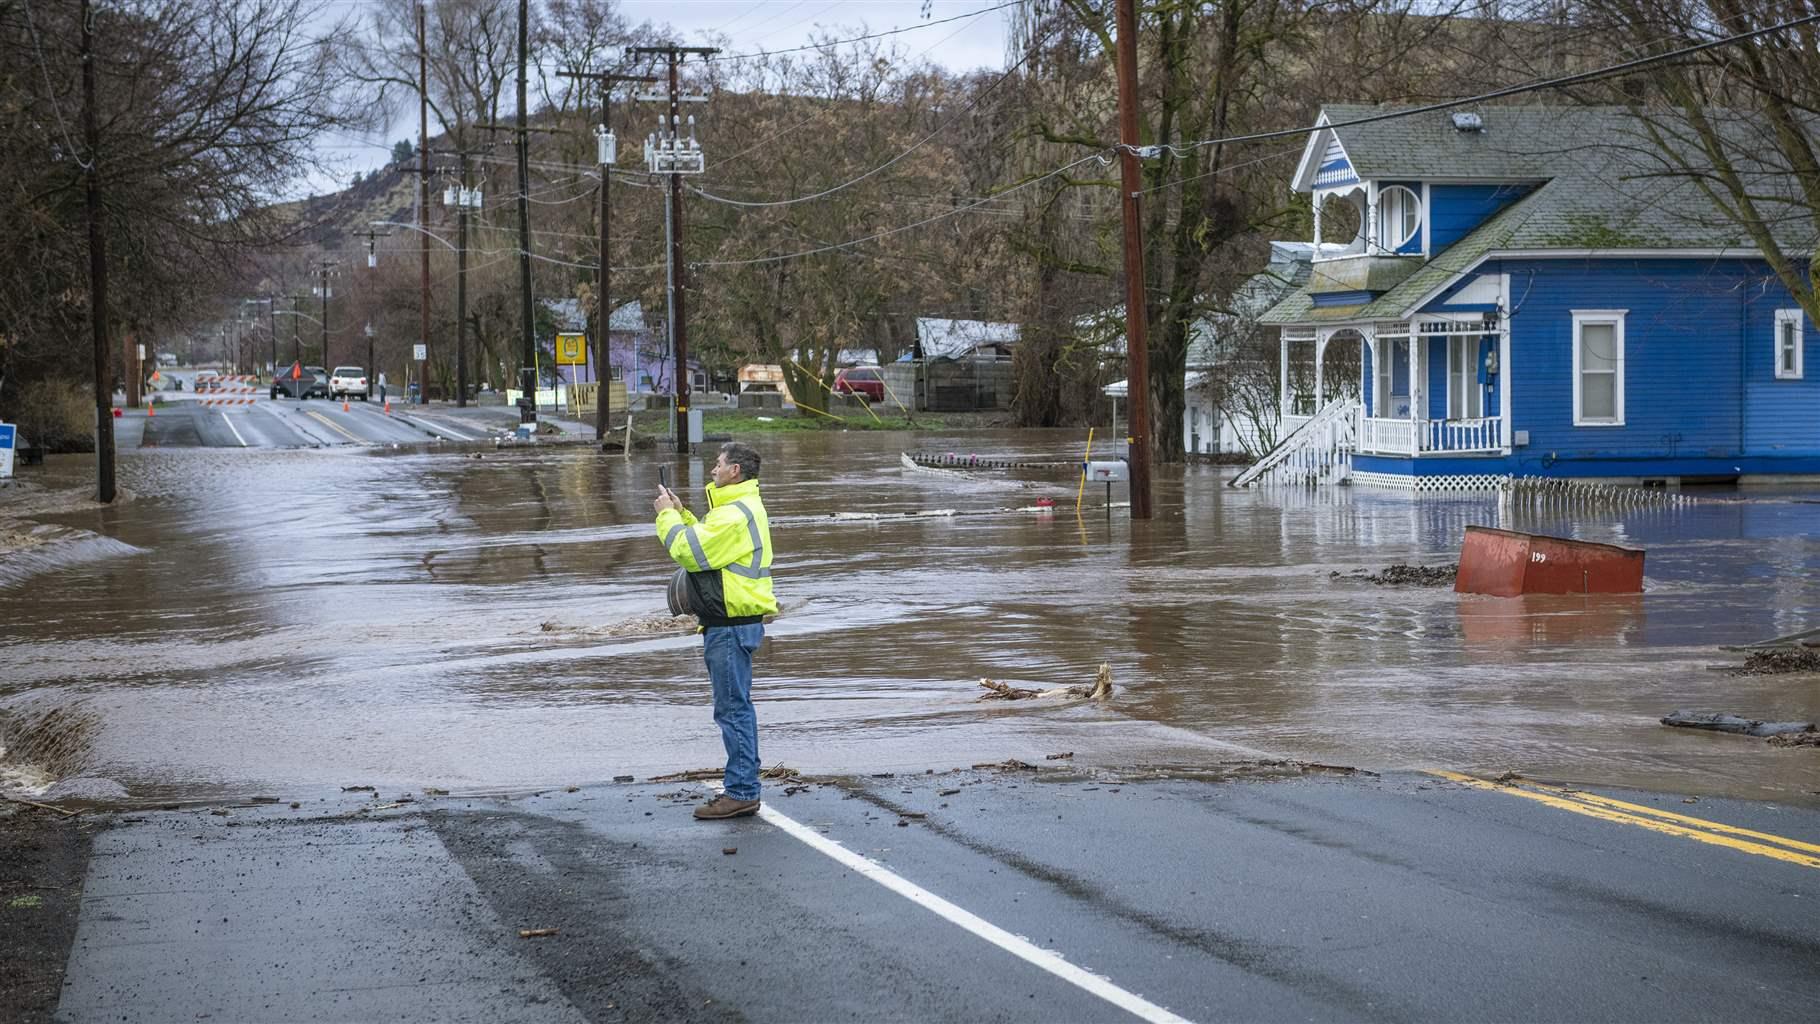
pixel 752 25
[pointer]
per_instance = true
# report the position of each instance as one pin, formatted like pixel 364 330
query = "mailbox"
pixel 1108 472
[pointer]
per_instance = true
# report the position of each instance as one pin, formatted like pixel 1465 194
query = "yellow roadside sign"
pixel 571 350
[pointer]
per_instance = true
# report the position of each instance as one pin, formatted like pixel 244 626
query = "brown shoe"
pixel 724 806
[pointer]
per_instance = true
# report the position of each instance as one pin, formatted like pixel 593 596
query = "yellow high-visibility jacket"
pixel 727 554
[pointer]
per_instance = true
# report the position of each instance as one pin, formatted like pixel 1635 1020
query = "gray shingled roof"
pixel 1604 187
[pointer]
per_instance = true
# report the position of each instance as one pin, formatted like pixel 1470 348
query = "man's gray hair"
pixel 742 456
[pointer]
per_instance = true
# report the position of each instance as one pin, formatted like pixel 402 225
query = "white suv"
pixel 348 381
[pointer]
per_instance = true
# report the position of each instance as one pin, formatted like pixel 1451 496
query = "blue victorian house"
pixel 1523 291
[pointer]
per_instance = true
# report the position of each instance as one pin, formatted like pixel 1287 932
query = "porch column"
pixel 1504 362
pixel 1418 390
pixel 1282 376
pixel 1320 349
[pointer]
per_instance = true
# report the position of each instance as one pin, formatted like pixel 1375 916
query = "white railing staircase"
pixel 1318 451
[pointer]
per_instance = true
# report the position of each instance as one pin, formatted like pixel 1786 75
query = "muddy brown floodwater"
pixel 296 620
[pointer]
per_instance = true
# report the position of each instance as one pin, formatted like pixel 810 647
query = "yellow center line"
pixel 332 425
pixel 1653 823
pixel 1685 819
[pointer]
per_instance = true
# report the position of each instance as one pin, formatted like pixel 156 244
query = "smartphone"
pixel 663 477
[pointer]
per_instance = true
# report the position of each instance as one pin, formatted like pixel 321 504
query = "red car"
pixel 867 381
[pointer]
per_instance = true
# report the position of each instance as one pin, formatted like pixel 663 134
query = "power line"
pixel 759 54
pixel 965 110
pixel 907 227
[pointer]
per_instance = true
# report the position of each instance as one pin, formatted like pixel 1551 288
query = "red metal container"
pixel 1503 563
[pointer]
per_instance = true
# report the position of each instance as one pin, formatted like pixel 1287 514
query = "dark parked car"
pixel 866 381
pixel 312 383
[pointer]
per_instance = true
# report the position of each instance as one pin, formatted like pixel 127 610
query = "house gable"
pixel 1324 162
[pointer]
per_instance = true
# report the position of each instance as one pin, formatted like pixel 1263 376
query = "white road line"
pixel 229 420
pixel 1049 961
pixel 439 425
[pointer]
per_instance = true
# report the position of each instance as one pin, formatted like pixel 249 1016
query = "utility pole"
pixel 527 356
pixel 97 269
pixel 322 267
pixel 667 153
pixel 271 304
pixel 296 331
pixel 603 303
pixel 465 200
pixel 372 238
pixel 1137 345
pixel 423 204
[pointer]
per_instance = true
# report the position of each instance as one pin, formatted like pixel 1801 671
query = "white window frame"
pixel 1614 317
pixel 1463 388
pixel 1409 202
pixel 1789 316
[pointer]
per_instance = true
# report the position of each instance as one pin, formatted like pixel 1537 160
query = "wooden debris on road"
pixel 1012 765
pixel 693 775
pixel 65 811
pixel 536 933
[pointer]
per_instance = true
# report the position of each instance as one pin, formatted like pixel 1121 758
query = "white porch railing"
pixel 1484 434
pixel 1430 437
pixel 1317 450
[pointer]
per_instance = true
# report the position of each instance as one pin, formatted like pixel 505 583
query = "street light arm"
pixel 413 227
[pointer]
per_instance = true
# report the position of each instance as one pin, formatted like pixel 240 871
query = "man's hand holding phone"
pixel 666 498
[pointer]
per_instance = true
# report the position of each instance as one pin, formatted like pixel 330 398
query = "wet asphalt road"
pixel 258 421
pixel 1213 899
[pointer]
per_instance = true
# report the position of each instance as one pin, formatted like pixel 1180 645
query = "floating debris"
pixel 1795 739
pixel 1734 724
pixel 1403 576
pixel 660 624
pixel 1779 661
pixel 536 933
pixel 1100 690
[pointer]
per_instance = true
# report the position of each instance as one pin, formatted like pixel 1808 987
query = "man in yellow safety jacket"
pixel 728 557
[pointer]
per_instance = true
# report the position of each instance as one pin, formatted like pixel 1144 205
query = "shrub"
pixel 57 414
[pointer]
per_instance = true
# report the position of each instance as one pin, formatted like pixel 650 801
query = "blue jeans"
pixel 728 652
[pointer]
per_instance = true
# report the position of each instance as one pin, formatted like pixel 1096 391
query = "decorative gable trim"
pixel 1335 168
pixel 1316 156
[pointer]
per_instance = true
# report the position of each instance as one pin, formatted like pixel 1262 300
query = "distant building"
pixel 1229 400
pixel 636 354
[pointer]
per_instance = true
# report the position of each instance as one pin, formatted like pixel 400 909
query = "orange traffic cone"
pixel 344 405
pixel 388 407
pixel 151 408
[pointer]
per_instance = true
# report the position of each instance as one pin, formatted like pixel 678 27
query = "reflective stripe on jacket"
pixel 727 553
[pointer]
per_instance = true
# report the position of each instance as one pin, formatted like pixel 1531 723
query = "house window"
pixel 1599 367
pixel 1789 342
pixel 1399 217
pixel 1465 396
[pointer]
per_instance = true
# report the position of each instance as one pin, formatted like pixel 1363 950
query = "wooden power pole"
pixel 423 207
pixel 603 302
pixel 1137 346
pixel 97 269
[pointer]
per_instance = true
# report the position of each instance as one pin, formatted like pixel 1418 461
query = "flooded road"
pixel 298 620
